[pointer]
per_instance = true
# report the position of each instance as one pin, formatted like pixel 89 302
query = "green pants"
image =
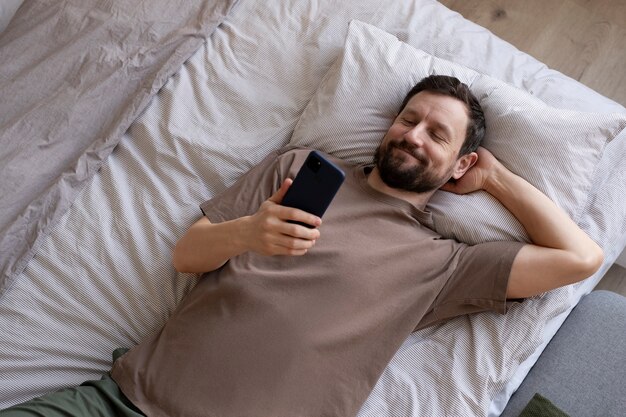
pixel 101 398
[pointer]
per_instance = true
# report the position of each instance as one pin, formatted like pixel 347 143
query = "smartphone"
pixel 315 186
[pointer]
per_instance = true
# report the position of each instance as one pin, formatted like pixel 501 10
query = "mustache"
pixel 411 149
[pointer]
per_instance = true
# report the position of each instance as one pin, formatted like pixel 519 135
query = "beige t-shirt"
pixel 280 336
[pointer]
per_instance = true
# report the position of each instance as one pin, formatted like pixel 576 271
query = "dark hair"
pixel 451 86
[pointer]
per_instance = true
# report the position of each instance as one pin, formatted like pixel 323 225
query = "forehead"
pixel 439 109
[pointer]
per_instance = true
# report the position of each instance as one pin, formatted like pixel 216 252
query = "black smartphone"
pixel 315 185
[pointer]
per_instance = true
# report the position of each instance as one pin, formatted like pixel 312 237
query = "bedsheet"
pixel 73 77
pixel 103 278
pixel 7 10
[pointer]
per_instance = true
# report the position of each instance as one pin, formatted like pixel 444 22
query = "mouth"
pixel 406 152
pixel 410 152
pixel 403 149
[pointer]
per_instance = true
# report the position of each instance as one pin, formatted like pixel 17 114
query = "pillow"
pixel 555 150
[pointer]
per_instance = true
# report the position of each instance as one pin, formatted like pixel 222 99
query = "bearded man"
pixel 289 320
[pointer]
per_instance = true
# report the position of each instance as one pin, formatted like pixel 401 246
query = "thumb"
pixel 278 195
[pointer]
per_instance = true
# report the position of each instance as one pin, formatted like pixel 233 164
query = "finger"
pixel 277 250
pixel 295 252
pixel 297 215
pixel 298 231
pixel 293 243
pixel 278 196
pixel 277 215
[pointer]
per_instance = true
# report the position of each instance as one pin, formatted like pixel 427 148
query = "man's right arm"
pixel 561 253
pixel 207 246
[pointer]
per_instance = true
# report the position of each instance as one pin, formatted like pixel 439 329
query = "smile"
pixel 405 151
pixel 419 159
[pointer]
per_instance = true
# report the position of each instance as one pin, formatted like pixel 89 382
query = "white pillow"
pixel 555 150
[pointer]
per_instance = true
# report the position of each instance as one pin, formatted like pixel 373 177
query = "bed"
pixel 86 258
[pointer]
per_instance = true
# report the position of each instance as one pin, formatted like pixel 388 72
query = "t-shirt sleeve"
pixel 254 187
pixel 478 283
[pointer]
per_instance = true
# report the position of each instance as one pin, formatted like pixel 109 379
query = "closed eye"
pixel 438 137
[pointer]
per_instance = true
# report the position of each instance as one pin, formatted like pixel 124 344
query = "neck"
pixel 418 200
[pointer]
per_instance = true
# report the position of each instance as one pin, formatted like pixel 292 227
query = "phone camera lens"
pixel 314 163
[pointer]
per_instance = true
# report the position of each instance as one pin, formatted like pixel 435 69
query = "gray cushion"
pixel 583 369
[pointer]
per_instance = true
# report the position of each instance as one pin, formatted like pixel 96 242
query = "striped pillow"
pixel 555 150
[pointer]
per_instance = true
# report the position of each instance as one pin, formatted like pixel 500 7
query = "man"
pixel 298 321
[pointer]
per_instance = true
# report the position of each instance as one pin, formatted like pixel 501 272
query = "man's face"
pixel 419 151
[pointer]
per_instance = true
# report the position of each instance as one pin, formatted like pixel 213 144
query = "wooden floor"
pixel 583 39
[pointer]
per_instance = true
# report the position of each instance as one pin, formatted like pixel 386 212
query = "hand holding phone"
pixel 315 186
pixel 311 192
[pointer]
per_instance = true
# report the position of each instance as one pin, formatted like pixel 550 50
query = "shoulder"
pixel 281 160
pixel 300 153
pixel 291 154
pixel 290 158
pixel 293 150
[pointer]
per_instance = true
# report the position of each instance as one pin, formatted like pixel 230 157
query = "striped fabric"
pixel 556 150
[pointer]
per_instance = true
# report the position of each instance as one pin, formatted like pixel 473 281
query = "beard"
pixel 397 173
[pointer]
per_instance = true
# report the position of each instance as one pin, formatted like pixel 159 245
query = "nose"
pixel 415 135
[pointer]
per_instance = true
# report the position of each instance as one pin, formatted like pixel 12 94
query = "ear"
pixel 463 164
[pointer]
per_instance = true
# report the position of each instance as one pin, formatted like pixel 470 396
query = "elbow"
pixel 591 261
pixel 184 262
pixel 597 260
pixel 177 259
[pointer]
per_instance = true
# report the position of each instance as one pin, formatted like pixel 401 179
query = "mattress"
pixel 103 277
